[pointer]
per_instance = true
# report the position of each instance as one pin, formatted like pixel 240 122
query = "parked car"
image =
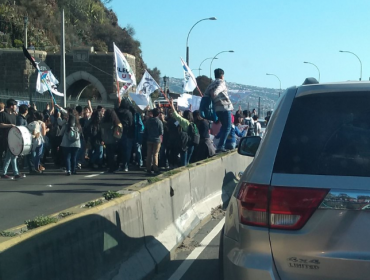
pixel 295 212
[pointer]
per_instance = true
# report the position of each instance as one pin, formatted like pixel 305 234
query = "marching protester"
pixel 110 130
pixel 205 149
pixel 153 132
pixel 217 90
pixel 128 133
pixel 71 132
pixel 257 126
pixel 186 123
pixel 38 131
pixel 7 121
pixel 94 141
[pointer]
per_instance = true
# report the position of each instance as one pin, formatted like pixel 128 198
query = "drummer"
pixel 7 121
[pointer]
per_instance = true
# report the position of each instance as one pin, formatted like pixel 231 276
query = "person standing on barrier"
pixel 217 90
pixel 7 121
pixel 153 132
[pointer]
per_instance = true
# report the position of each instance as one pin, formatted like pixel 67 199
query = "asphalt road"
pixel 196 258
pixel 53 192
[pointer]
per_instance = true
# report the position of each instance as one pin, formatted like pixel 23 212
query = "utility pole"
pixel 63 62
pixel 259 106
pixel 25 21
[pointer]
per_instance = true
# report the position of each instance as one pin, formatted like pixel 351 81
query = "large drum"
pixel 19 141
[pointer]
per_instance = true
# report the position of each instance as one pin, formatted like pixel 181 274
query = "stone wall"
pixel 18 75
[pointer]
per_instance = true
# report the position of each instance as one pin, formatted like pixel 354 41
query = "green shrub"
pixel 18 43
pixel 94 203
pixel 8 234
pixel 111 195
pixel 40 221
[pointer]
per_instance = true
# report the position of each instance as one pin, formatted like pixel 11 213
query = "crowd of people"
pixel 118 139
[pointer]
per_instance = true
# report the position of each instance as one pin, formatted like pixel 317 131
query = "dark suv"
pixel 301 208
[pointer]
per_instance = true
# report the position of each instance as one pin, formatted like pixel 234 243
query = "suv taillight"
pixel 278 207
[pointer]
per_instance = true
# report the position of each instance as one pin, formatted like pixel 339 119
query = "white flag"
pixel 190 83
pixel 147 85
pixel 125 89
pixel 123 69
pixel 47 81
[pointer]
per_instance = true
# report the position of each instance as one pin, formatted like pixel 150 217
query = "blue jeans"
pixel 70 157
pixel 97 154
pixel 10 159
pixel 225 119
pixel 126 149
pixel 36 156
pixel 81 151
pixel 186 156
pixel 138 155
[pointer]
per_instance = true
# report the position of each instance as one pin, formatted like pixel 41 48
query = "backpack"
pixel 73 135
pixel 193 134
pixel 206 109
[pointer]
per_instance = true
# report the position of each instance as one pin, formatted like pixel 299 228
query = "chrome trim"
pixel 346 200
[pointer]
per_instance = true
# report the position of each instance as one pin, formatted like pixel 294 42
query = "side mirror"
pixel 248 145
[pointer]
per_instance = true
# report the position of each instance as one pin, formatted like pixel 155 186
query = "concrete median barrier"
pixel 129 237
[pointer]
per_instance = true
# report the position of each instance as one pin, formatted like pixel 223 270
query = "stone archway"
pixel 82 75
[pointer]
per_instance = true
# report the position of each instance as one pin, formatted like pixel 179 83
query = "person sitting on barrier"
pixel 234 132
pixel 7 121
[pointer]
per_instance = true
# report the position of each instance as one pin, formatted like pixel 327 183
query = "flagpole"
pixel 63 61
pixel 118 95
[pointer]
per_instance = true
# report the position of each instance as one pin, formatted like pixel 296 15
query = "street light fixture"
pixel 210 67
pixel 202 63
pixel 187 39
pixel 315 66
pixel 277 78
pixel 358 60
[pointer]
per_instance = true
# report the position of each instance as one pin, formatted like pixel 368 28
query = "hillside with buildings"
pixel 246 96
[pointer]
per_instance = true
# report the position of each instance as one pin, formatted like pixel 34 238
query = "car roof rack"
pixel 310 81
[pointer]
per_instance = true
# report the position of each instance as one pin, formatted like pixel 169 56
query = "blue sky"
pixel 267 37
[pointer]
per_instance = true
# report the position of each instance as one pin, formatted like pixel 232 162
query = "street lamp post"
pixel 25 21
pixel 210 67
pixel 358 60
pixel 187 39
pixel 165 81
pixel 202 63
pixel 315 66
pixel 277 78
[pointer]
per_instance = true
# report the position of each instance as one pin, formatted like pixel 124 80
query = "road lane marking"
pixel 93 175
pixel 183 268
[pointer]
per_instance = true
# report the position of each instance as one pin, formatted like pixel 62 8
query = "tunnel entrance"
pixel 82 85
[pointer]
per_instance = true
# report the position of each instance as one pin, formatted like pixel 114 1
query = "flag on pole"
pixel 125 89
pixel 34 64
pixel 30 58
pixel 46 81
pixel 190 83
pixel 123 68
pixel 147 85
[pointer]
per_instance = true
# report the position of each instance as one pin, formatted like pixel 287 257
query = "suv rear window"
pixel 327 134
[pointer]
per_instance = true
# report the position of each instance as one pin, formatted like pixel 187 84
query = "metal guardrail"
pixel 42 100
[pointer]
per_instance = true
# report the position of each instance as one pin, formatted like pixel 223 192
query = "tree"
pixel 203 82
